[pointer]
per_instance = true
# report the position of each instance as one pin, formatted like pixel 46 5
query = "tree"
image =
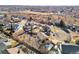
pixel 1 26
pixel 5 15
pixel 62 24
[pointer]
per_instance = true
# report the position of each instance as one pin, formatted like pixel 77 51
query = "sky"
pixel 39 2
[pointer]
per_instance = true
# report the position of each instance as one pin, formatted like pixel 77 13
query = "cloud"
pixel 39 2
